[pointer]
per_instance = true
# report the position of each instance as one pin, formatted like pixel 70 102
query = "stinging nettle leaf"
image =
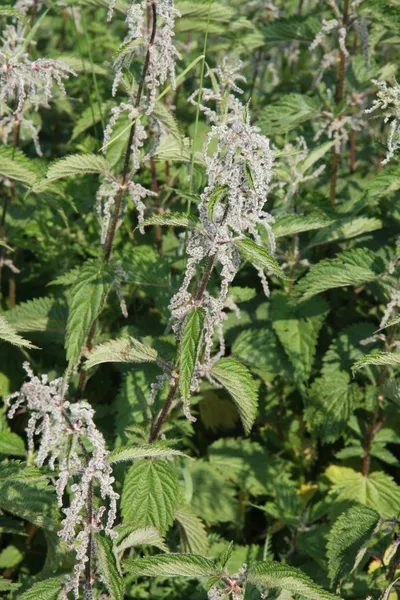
pixel 150 494
pixel 108 567
pixel 193 533
pixel 348 540
pixel 155 450
pixel 15 165
pixel 88 295
pixel 172 565
pixel 288 579
pixel 189 350
pixel 377 359
pixel 258 256
pixel 172 220
pixel 9 334
pixel 130 536
pixel 125 350
pixel 11 444
pixel 238 381
pixel 43 590
pixel 77 164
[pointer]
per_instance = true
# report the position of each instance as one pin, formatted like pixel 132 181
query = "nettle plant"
pixel 200 305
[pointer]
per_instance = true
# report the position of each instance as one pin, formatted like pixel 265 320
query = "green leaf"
pixel 258 256
pixel 15 165
pixel 384 184
pixel 6 585
pixel 377 359
pixel 77 164
pixel 10 557
pixel 298 330
pixel 346 229
pixel 297 28
pixel 330 404
pixel 107 567
pixel 238 381
pixel 172 220
pixel 11 444
pixel 377 491
pixel 9 334
pixel 292 224
pixel 126 350
pixel 150 494
pixel 171 565
pixel 286 114
pixel 130 536
pixel 88 295
pixel 30 502
pixel 46 315
pixel 347 269
pixel 89 118
pixel 128 47
pixel 43 590
pixel 288 579
pixel 189 350
pixel 216 196
pixel 315 155
pixel 154 450
pixel 10 11
pixel 348 540
pixel 193 533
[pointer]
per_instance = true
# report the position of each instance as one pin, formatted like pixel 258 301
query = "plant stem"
pixel 338 99
pixel 128 154
pixel 124 178
pixel 156 428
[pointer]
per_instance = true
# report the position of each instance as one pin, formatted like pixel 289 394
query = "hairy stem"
pixel 338 98
pixel 162 416
pixel 128 153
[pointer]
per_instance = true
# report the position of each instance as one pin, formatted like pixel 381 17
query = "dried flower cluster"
pixel 62 427
pixel 232 205
pixel 25 85
pixel 157 41
pixel 388 100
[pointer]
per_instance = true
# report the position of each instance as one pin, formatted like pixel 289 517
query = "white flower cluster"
pixel 232 586
pixel 232 205
pixel 62 427
pixel 388 100
pixel 25 85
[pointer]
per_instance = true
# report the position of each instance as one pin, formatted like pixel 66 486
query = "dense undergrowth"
pixel 199 296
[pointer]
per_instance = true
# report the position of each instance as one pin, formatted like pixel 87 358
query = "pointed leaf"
pixel 258 256
pixel 172 220
pixel 378 359
pixel 77 164
pixel 193 533
pixel 172 565
pixel 189 350
pixel 130 536
pixel 107 567
pixel 127 350
pixel 238 381
pixel 9 334
pixel 11 444
pixel 155 450
pixel 43 590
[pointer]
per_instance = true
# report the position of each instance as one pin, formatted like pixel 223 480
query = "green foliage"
pixel 172 565
pixel 291 110
pixel 348 540
pixel 127 350
pixel 8 334
pixel 43 590
pixel 189 350
pixel 237 380
pixel 77 165
pixel 150 494
pixel 287 579
pixel 108 568
pixel 258 256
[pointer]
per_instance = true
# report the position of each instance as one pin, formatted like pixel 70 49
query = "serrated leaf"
pixel 298 331
pixel 348 540
pixel 346 229
pixel 30 502
pixel 90 117
pixel 155 450
pixel 292 224
pixel 189 350
pixel 215 197
pixel 43 590
pixel 77 164
pixel 129 536
pixel 150 494
pixel 6 585
pixel 172 220
pixel 107 567
pixel 286 114
pixel 88 295
pixel 288 579
pixel 173 149
pixel 125 350
pixel 347 269
pixel 171 565
pixel 46 315
pixel 377 359
pixel 9 334
pixel 11 444
pixel 193 533
pixel 315 155
pixel 330 404
pixel 378 490
pixel 238 381
pixel 15 165
pixel 258 256
pixel 10 11
pixel 296 28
